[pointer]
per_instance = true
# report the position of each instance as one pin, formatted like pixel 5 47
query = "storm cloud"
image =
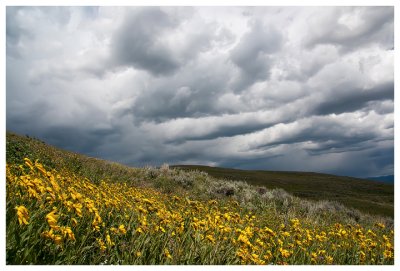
pixel 139 41
pixel 276 88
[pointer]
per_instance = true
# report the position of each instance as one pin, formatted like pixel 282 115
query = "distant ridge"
pixel 385 179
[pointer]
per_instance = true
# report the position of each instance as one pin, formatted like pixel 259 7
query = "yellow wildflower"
pixel 74 222
pixel 47 234
pixel 362 256
pixel 243 238
pixel 167 254
pixel 108 240
pixel 295 222
pixel 96 221
pixel 33 194
pixel 57 239
pixel 314 257
pixel 369 232
pixel 78 209
pixel 122 229
pixel 269 231
pixel 380 225
pixel 101 244
pixel 52 219
pixel 210 238
pixel 68 232
pixel 259 242
pixel 28 163
pixel 387 254
pixel 268 255
pixel 256 259
pixel 284 252
pixel 139 230
pixel 23 215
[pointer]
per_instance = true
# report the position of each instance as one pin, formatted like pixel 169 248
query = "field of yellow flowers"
pixel 56 217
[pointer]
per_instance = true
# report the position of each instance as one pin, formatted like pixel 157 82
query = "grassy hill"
pixel 366 195
pixel 67 208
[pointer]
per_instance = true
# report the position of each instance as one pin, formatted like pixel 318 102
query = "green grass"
pixel 204 218
pixel 205 183
pixel 365 195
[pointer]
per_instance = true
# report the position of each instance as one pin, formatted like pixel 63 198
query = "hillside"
pixel 366 195
pixel 67 208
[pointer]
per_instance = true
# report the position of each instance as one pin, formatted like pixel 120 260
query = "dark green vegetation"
pixel 366 195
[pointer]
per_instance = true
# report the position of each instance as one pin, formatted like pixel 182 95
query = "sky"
pixel 270 88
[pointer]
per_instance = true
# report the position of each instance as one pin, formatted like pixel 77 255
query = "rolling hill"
pixel 66 208
pixel 366 195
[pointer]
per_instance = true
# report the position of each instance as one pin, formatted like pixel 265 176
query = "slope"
pixel 368 196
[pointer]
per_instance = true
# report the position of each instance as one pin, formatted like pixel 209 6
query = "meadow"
pixel 65 208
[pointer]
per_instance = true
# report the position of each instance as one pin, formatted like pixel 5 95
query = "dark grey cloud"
pixel 344 100
pixel 192 93
pixel 75 138
pixel 362 163
pixel 137 42
pixel 252 55
pixel 324 134
pixel 227 130
pixel 278 88
pixel 151 45
pixel 177 102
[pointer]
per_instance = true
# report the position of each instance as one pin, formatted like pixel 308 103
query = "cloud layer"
pixel 277 88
